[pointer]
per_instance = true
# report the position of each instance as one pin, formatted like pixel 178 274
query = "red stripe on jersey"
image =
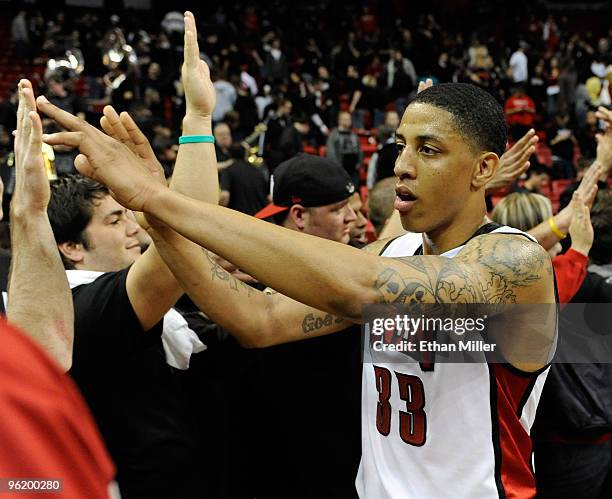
pixel 515 443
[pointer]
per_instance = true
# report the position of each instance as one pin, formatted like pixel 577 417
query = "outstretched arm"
pixel 496 269
pixel 254 318
pixel 320 273
pixel 40 299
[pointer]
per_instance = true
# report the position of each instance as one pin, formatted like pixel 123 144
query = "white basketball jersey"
pixel 457 431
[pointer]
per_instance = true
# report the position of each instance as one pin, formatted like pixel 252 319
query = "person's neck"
pixel 453 234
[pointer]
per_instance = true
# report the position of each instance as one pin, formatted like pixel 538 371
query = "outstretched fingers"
pixel 191 50
pixel 80 134
pixel 587 190
pixel 61 117
pixel 69 139
pixel 107 127
pixel 111 122
pixel 36 132
pixel 139 140
pixel 84 167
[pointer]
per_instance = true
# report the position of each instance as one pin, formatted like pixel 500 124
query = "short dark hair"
pixel 477 116
pixel 279 218
pixel 301 118
pixel 601 218
pixel 537 169
pixel 237 151
pixel 71 207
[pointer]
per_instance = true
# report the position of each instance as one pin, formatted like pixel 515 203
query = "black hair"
pixel 601 218
pixel 279 218
pixel 537 169
pixel 477 116
pixel 71 207
pixel 301 118
pixel 237 151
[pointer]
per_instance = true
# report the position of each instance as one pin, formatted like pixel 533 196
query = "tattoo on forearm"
pixel 314 322
pixel 450 281
pixel 218 272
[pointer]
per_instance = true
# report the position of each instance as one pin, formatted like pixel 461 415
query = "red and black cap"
pixel 307 180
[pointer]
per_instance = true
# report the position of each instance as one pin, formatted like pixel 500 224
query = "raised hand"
pixel 103 158
pixel 588 185
pixel 200 98
pixel 32 190
pixel 40 299
pixel 514 162
pixel 587 190
pixel 604 140
pixel 581 229
pixel 124 129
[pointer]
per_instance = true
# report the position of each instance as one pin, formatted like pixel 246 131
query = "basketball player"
pixel 460 427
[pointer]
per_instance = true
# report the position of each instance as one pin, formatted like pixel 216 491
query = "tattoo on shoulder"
pixel 314 322
pixel 509 264
pixel 218 272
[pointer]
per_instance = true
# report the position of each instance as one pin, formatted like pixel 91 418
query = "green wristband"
pixel 195 139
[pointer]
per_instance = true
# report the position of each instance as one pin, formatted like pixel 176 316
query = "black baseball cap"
pixel 307 180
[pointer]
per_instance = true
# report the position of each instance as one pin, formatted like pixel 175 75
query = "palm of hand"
pixel 126 175
pixel 604 150
pixel 150 162
pixel 199 90
pixel 32 184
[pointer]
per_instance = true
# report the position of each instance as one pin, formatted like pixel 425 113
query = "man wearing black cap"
pixel 307 394
pixel 311 195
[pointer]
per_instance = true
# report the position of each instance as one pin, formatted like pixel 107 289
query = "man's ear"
pixel 298 215
pixel 484 169
pixel 73 252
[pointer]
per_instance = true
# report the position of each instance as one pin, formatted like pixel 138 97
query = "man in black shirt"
pixel 223 141
pixel 344 148
pixel 130 373
pixel 572 428
pixel 244 187
pixel 311 195
pixel 291 140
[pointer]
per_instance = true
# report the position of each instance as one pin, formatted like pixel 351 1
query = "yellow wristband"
pixel 555 229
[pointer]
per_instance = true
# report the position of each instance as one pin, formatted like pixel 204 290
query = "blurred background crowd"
pixel 328 78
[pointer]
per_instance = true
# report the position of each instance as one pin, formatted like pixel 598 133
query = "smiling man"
pixel 130 348
pixel 92 230
pixel 426 431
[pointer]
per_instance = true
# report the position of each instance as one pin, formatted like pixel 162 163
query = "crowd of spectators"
pixel 309 90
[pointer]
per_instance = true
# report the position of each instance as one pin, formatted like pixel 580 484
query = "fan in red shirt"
pixel 46 430
pixel 49 441
pixel 520 109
